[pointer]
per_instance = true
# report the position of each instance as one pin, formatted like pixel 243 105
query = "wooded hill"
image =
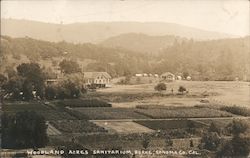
pixel 223 59
pixel 95 32
pixel 141 42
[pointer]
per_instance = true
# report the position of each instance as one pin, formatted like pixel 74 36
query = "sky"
pixel 225 16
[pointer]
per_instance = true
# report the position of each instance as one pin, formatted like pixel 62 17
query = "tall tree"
pixel 34 79
pixel 69 66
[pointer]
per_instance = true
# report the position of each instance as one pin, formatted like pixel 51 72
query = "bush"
pixel 211 141
pixel 237 127
pixel 237 147
pixel 182 89
pixel 215 128
pixel 161 87
pixel 50 93
pixel 145 142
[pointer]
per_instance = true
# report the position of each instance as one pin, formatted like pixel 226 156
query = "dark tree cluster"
pixel 23 130
pixel 161 87
pixel 69 66
pixel 65 90
pixel 27 83
pixel 238 146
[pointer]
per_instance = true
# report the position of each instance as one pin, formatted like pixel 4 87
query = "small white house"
pixel 138 75
pixel 156 75
pixel 178 78
pixel 167 76
pixel 189 78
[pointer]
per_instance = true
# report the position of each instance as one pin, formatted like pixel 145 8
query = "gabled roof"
pixel 96 74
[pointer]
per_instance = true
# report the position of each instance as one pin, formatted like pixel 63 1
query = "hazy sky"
pixel 228 16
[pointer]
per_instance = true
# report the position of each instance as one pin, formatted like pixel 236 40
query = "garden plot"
pixel 123 127
pixel 47 112
pixel 161 113
pixel 169 124
pixel 101 113
pixel 77 126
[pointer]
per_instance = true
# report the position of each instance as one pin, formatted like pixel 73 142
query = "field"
pixel 223 92
pixel 40 108
pixel 77 126
pixel 222 123
pixel 169 124
pixel 101 113
pixel 123 127
pixel 82 103
pixel 122 114
pixel 191 112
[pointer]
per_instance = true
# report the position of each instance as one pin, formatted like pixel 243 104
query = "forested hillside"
pixel 205 60
pixel 141 42
pixel 115 61
pixel 210 60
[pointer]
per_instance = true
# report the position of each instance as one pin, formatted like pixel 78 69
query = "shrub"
pixel 237 127
pixel 161 87
pixel 182 89
pixel 237 147
pixel 50 93
pixel 211 141
pixel 145 142
pixel 215 128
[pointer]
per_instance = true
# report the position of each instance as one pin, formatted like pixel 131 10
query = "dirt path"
pixel 123 127
pixel 52 131
pixel 197 118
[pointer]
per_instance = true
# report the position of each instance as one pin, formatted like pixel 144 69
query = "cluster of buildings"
pixel 97 79
pixel 103 79
pixel 167 76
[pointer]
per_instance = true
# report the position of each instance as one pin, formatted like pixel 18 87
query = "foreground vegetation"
pixel 23 130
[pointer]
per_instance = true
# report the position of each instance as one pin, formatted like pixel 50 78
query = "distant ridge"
pixel 95 32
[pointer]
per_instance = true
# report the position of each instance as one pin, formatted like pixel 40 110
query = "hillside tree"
pixel 69 66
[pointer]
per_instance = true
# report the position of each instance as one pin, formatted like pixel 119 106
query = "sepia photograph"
pixel 125 79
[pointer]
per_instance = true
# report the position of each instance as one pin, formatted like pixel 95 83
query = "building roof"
pixel 95 74
pixel 167 74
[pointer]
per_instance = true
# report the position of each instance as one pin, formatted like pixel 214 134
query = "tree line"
pixel 27 82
